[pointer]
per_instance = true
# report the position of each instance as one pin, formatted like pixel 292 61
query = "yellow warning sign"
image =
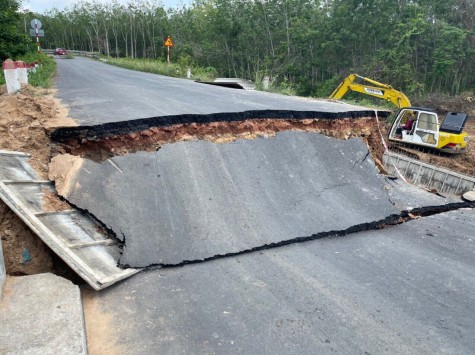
pixel 168 42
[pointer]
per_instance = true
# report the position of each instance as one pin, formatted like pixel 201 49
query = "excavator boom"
pixel 376 89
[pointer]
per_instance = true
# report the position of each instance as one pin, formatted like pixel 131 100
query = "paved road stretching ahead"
pixel 405 289
pixel 409 289
pixel 97 93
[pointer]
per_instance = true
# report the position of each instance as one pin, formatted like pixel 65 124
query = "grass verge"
pixel 43 77
pixel 159 67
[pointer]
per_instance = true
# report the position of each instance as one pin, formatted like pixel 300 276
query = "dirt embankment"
pixel 25 119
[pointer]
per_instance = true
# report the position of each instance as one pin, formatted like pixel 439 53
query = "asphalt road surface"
pixel 407 289
pixel 97 93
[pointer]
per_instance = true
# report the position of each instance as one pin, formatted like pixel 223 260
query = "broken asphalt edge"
pixel 390 221
pixel 95 132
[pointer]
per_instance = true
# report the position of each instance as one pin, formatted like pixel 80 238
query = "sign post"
pixel 36 24
pixel 168 43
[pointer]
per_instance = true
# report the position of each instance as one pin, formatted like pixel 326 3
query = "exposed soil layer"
pixel 101 337
pixel 53 203
pixel 24 252
pixel 111 129
pixel 26 119
pixel 151 139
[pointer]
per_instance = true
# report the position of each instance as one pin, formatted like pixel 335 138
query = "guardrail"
pixel 427 175
pixel 74 52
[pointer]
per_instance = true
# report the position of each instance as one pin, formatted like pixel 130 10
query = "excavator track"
pixel 404 150
pixel 417 152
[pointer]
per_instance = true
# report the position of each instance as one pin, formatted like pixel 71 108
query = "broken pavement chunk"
pixel 469 196
pixel 196 200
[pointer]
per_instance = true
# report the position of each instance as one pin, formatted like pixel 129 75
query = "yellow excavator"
pixel 413 125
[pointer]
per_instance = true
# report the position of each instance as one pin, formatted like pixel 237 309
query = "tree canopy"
pixel 418 46
pixel 13 42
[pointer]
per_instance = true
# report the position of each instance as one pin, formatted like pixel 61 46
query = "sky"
pixel 41 6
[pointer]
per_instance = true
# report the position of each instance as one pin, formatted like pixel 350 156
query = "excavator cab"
pixel 417 126
pixel 426 130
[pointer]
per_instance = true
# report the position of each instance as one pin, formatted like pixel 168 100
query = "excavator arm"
pixel 376 89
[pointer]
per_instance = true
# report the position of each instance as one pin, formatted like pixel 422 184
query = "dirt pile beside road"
pixel 25 120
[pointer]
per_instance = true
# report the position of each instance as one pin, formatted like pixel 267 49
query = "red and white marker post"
pixel 22 71
pixel 11 76
pixel 37 35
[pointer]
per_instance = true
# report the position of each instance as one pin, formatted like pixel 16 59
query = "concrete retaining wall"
pixel 427 175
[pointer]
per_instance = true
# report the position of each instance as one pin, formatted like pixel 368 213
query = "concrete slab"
pixel 407 289
pixel 196 200
pixel 408 197
pixel 41 314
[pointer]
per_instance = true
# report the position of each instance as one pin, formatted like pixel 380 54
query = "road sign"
pixel 168 42
pixel 41 33
pixel 38 23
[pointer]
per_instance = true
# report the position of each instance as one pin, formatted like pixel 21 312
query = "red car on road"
pixel 60 51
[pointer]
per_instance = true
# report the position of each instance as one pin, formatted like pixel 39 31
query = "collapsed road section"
pixel 197 200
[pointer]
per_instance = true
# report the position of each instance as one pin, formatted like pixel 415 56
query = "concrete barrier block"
pixel 11 76
pixel 22 72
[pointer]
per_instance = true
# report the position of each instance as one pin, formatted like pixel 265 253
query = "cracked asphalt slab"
pixel 408 289
pixel 195 200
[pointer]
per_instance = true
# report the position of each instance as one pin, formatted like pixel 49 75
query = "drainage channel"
pixel 428 176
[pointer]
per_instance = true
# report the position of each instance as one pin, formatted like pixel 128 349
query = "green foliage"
pixel 45 72
pixel 307 47
pixel 12 42
pixel 163 68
